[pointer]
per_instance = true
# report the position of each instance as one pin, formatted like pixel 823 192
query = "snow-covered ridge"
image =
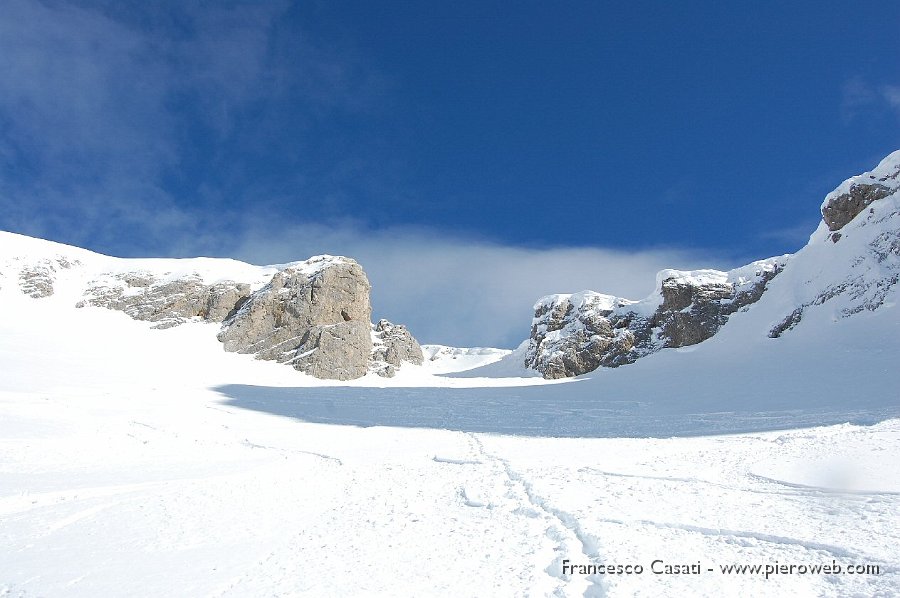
pixel 854 195
pixel 313 265
pixel 572 334
pixel 887 174
pixel 18 250
pixel 849 266
pixel 313 315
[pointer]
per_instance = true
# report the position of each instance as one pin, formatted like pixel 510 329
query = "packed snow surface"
pixel 140 462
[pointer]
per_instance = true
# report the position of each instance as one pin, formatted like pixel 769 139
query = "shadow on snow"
pixel 574 410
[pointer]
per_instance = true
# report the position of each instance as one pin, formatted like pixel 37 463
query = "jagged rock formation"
pixel 865 209
pixel 849 200
pixel 576 334
pixel 392 345
pixel 855 269
pixel 693 309
pixel 314 316
pixel 167 303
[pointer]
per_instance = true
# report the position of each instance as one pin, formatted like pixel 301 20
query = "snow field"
pixel 139 462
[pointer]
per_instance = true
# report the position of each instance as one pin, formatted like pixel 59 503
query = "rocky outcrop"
pixel 314 315
pixel 576 334
pixel 392 345
pixel 843 208
pixel 167 303
pixel 857 193
pixel 36 280
pixel 694 310
pixel 871 275
pixel 866 211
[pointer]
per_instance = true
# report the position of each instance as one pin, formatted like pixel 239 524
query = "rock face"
pixel 845 207
pixel 856 194
pixel 314 316
pixel 392 345
pixel 576 334
pixel 693 310
pixel 168 303
pixel 866 251
pixel 573 334
pixel 854 270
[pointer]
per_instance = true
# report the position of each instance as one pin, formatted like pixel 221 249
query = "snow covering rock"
pixel 36 280
pixel 392 345
pixel 860 272
pixel 442 359
pixel 573 334
pixel 313 315
pixel 693 309
pixel 576 334
pixel 856 193
pixel 853 271
pixel 167 302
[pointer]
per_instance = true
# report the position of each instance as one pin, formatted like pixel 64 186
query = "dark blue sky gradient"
pixel 627 124
pixel 702 125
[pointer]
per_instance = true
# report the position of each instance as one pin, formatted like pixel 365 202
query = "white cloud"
pixel 459 291
pixel 860 98
pixel 891 94
pixel 102 105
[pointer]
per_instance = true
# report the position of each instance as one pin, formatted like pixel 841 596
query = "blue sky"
pixel 472 155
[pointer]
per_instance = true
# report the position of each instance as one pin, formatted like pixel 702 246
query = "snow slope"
pixel 150 462
pixel 124 472
pixel 142 462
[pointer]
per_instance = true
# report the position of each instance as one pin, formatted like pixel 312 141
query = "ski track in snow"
pixel 567 524
pixel 465 510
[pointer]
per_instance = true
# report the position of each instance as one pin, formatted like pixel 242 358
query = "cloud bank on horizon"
pixel 471 158
pixel 467 292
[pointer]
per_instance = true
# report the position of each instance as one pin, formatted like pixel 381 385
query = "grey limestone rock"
pixel 857 193
pixel 841 209
pixel 392 345
pixel 334 351
pixel 168 303
pixel 575 334
pixel 691 313
pixel 314 316
pixel 36 280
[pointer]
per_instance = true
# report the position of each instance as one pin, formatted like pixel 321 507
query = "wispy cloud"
pixel 891 94
pixel 104 110
pixel 862 98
